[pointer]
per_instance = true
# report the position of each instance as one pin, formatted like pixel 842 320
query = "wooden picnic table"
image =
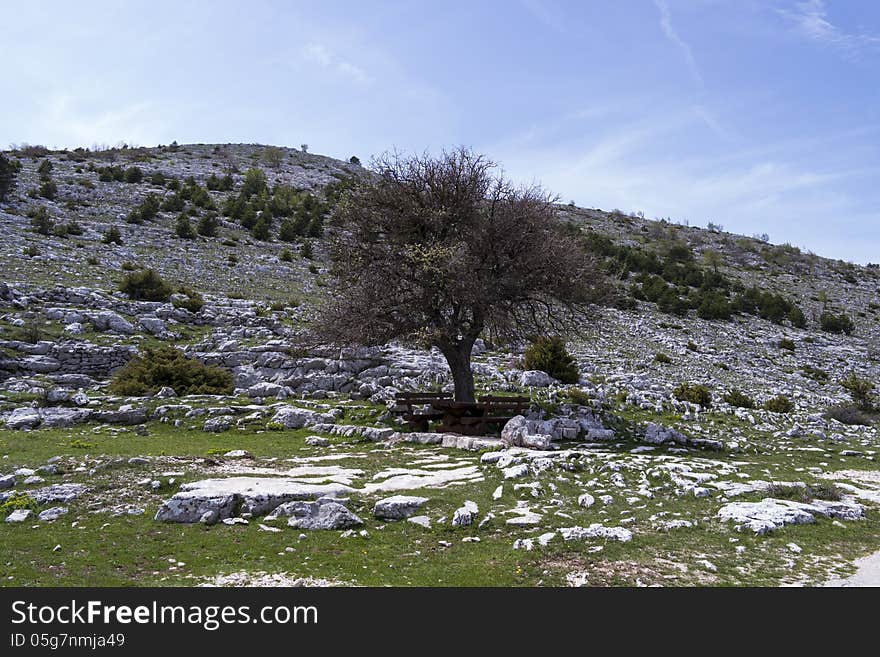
pixel 469 418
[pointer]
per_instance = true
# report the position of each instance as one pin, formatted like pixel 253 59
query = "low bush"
pixel 861 390
pixel 779 404
pixel 848 414
pixel 193 302
pixel 133 175
pixel 831 323
pixel 739 399
pixel 112 236
pixel 183 228
pixel 548 354
pixel 167 366
pixel 145 285
pixel 815 373
pixel 578 397
pixel 662 358
pixel 786 344
pixel 693 393
pixel 806 493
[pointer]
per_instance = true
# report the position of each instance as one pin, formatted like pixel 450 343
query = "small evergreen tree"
pixel 208 225
pixel 183 228
pixel 112 236
pixel 8 171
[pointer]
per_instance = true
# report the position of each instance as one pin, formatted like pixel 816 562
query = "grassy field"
pixel 92 547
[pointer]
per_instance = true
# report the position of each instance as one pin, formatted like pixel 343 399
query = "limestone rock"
pixel 398 507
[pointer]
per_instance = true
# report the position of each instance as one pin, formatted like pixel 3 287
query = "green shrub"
pixel 660 357
pixel 173 203
pixel 167 366
pixel 18 500
pixel 815 373
pixel 693 393
pixel 41 221
pixel 806 493
pixel 194 301
pixel 549 355
pixel 31 251
pixel 8 172
pixel 145 285
pixel 208 225
pixel 262 229
pixel 48 190
pixel 714 305
pixel 797 318
pixel 861 390
pixel 779 404
pixel 786 344
pixel 133 175
pixel 45 170
pixel 306 250
pixel 183 228
pixel 146 211
pixel 112 236
pixel 286 256
pixel 30 333
pixel 739 399
pixel 578 397
pixel 832 323
pixel 848 414
pixel 254 183
pixel 73 227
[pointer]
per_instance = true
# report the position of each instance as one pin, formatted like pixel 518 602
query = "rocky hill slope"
pixel 710 400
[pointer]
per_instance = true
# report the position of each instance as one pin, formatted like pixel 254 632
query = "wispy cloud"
pixel 673 36
pixel 810 19
pixel 547 13
pixel 631 165
pixel 325 58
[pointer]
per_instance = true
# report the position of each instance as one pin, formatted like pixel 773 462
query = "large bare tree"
pixel 439 250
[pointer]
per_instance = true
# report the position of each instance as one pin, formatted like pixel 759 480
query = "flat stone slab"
pixel 770 514
pixel 224 498
pixel 596 530
pixel 398 507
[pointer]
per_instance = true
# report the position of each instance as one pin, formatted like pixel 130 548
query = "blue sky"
pixel 760 115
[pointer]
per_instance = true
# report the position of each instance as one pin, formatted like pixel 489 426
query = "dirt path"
pixel 868 573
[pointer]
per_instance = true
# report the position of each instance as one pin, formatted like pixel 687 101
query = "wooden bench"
pixel 498 410
pixel 419 420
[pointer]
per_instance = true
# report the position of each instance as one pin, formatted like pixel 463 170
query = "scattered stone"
pixel 398 507
pixel 218 424
pixel 586 500
pixel 422 521
pixel 324 513
pixel 596 530
pixel 465 515
pixel 19 515
pixel 50 515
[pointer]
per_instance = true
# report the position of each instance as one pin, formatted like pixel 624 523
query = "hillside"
pixel 708 439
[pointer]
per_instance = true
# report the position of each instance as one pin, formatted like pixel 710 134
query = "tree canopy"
pixel 440 250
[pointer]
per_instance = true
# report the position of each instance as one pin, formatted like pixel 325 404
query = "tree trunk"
pixel 459 358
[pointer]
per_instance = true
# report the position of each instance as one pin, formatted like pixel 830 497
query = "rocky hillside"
pixel 714 407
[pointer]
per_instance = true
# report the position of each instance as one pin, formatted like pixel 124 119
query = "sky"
pixel 762 116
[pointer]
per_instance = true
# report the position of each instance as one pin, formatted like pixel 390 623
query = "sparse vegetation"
pixel 145 285
pixel 778 404
pixel 836 323
pixel 694 393
pixel 739 399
